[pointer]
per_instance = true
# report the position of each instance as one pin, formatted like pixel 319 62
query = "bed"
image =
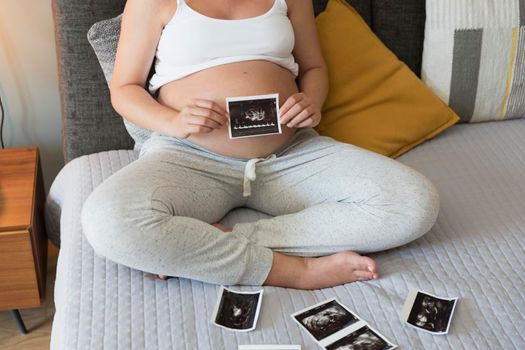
pixel 475 251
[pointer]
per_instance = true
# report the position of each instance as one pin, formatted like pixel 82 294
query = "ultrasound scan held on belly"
pixel 255 115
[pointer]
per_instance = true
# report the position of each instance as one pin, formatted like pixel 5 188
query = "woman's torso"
pixel 249 77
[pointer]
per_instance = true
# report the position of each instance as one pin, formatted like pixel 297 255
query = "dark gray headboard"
pixel 89 123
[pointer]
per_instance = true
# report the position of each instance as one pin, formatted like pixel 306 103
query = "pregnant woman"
pixel 328 201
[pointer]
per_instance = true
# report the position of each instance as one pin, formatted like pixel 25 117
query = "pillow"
pixel 103 37
pixel 374 101
pixel 474 57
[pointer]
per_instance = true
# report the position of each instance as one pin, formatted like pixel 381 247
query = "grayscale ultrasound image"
pixel 431 313
pixel 237 311
pixel 362 339
pixel 326 319
pixel 253 117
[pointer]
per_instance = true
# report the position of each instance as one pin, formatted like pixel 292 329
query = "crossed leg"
pixel 154 215
pixel 333 199
pixel 328 199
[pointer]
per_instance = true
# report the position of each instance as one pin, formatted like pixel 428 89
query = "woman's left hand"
pixel 299 111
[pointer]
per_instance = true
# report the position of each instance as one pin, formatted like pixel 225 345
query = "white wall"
pixel 28 81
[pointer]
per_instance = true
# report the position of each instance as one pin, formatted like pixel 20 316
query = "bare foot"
pixel 340 268
pixel 219 226
pixel 315 273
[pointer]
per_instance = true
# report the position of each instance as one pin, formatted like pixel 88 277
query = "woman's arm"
pixel 142 24
pixel 304 109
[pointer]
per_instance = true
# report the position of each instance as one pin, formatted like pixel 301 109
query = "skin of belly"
pixel 243 78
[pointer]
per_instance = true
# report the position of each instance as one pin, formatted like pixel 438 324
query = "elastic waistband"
pixel 152 143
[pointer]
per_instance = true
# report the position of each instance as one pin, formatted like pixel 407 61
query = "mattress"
pixel 475 252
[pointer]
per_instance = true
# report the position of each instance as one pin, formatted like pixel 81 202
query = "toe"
pixel 364 275
pixel 366 264
pixel 371 265
pixel 358 262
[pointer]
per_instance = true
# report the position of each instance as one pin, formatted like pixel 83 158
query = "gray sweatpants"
pixel 325 196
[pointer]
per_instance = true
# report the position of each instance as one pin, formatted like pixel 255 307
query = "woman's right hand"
pixel 201 116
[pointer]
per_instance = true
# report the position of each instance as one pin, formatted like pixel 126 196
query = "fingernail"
pixel 369 268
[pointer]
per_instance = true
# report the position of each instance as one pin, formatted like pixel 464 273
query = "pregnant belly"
pixel 234 79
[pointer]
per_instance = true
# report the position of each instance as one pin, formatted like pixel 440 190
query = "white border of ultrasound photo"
pixel 254 97
pixel 218 303
pixel 409 304
pixel 327 341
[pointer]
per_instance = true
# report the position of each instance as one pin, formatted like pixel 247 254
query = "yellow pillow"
pixel 375 101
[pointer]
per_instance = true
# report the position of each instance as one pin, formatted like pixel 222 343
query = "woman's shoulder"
pixel 297 4
pixel 160 11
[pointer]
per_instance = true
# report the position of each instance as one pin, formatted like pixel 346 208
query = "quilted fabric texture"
pixel 475 252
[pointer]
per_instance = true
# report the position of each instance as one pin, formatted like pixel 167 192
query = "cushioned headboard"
pixel 89 123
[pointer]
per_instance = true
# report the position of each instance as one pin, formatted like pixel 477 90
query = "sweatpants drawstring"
pixel 249 173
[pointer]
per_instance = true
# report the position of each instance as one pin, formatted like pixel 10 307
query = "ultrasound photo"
pixel 364 338
pixel 237 311
pixel 324 319
pixel 428 312
pixel 253 115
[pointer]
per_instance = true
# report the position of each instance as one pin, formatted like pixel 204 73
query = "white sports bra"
pixel 191 42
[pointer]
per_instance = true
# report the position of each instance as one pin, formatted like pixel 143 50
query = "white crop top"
pixel 191 42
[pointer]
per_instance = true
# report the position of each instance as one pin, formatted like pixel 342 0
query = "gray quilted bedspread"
pixel 475 252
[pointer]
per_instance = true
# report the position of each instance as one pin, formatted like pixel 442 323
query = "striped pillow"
pixel 474 57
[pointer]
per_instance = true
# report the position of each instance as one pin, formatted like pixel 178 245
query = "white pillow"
pixel 103 37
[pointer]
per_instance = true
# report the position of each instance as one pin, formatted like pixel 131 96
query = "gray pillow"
pixel 103 37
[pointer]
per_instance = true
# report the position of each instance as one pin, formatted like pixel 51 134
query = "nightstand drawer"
pixel 18 279
pixel 23 242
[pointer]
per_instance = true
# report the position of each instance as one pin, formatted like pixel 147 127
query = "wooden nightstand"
pixel 23 241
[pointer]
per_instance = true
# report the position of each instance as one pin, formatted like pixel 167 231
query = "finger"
pixel 209 104
pixel 208 113
pixel 305 123
pixel 299 118
pixel 312 120
pixel 197 129
pixel 293 99
pixel 294 111
pixel 198 120
pixel 292 103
